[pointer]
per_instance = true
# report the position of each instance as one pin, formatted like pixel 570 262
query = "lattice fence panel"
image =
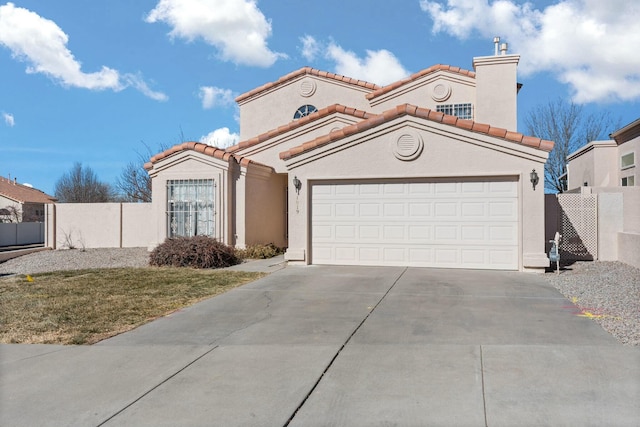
pixel 579 225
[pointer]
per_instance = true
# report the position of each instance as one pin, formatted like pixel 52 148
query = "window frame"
pixel 191 207
pixel 462 110
pixel 631 154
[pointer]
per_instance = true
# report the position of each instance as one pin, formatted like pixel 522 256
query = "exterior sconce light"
pixel 297 184
pixel 534 178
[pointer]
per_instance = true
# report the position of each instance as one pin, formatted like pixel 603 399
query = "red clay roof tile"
pixel 331 109
pixel 416 76
pixel 198 147
pixel 304 71
pixel 408 109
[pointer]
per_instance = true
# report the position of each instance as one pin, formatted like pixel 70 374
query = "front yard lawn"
pixel 87 306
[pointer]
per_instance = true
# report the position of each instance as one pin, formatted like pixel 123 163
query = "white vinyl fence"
pixel 21 233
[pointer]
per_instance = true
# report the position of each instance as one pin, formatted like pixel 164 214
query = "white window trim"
pixel 630 165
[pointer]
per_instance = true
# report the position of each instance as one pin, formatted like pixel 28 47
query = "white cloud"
pixel 8 119
pixel 43 46
pixel 380 67
pixel 237 28
pixel 213 96
pixel 588 44
pixel 136 81
pixel 310 47
pixel 220 138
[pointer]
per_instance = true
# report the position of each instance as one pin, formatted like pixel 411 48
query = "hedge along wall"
pixel 99 225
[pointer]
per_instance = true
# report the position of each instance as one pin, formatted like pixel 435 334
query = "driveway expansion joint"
pixel 295 412
pixel 143 395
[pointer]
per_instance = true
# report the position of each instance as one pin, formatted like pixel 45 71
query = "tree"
pixel 81 185
pixel 134 183
pixel 569 128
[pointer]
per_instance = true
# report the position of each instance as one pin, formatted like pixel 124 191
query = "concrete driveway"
pixel 341 346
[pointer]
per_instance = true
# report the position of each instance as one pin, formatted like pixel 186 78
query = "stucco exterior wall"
pixel 184 166
pixel 447 153
pixel 265 207
pixel 273 108
pixel 629 248
pixel 497 90
pixel 269 153
pixel 462 89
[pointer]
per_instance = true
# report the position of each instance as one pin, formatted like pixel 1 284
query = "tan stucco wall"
pixel 98 225
pixel 268 153
pixel 421 92
pixel 448 152
pixel 273 108
pixel 496 90
pixel 265 207
pixel 598 164
pixel 629 248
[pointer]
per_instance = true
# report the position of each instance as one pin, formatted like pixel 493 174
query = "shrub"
pixel 196 252
pixel 259 251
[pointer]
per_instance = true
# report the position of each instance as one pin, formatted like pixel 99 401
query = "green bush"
pixel 259 251
pixel 195 252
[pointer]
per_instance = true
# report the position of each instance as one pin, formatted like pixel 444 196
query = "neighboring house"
pixel 608 171
pixel 428 171
pixel 611 163
pixel 21 203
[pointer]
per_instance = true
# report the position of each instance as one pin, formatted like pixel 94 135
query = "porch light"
pixel 534 178
pixel 297 184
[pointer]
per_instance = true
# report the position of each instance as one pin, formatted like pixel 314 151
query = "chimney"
pixel 497 88
pixel 15 180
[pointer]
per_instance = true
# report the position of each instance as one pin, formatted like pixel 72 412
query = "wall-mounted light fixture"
pixel 534 178
pixel 297 184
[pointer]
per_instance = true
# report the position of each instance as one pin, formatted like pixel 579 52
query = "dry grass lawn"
pixel 87 306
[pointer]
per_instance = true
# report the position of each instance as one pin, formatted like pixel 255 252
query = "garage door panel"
pixel 432 224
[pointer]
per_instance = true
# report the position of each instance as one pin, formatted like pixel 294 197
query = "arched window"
pixel 305 110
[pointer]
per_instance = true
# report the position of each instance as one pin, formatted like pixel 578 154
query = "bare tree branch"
pixel 81 185
pixel 567 126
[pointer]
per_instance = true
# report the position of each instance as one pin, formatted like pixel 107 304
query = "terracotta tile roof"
pixel 425 113
pixel 302 71
pixel 432 69
pixel 22 193
pixel 335 108
pixel 199 147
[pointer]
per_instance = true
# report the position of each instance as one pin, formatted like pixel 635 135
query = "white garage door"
pixel 467 224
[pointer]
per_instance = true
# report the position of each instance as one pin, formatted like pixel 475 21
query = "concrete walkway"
pixel 340 346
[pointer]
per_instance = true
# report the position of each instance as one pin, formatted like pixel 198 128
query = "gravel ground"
pixel 609 292
pixel 75 259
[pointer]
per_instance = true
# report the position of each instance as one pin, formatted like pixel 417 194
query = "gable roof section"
pixel 627 133
pixel 306 71
pixel 419 74
pixel 23 194
pixel 425 113
pixel 198 147
pixel 324 112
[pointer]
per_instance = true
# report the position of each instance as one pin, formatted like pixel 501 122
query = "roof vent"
pixel 496 42
pixel 503 48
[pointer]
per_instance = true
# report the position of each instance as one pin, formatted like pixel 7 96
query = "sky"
pixel 97 82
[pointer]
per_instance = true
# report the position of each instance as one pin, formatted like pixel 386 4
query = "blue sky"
pixel 93 81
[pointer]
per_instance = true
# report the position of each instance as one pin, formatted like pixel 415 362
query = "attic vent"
pixel 307 88
pixel 441 92
pixel 408 146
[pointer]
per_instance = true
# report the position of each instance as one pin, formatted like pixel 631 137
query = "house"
pixel 606 171
pixel 427 171
pixel 610 163
pixel 21 203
